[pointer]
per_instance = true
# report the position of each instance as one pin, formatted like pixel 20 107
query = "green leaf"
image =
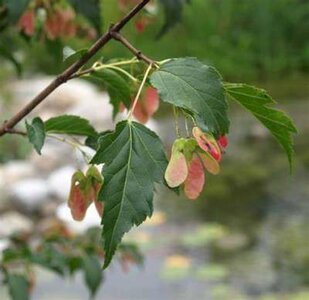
pixel 134 160
pixel 16 9
pixel 36 134
pixel 69 124
pixel 70 56
pixel 116 86
pixel 193 86
pixel 93 273
pixel 52 259
pixel 93 141
pixel 173 10
pixel 91 10
pixel 133 251
pixel 258 102
pixel 8 54
pixel 18 287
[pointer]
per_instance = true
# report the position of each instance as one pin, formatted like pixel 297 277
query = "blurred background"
pixel 247 236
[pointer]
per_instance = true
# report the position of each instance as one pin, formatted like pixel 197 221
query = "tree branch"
pixel 67 74
pixel 118 37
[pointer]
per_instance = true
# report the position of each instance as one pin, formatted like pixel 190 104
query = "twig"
pixel 15 131
pixel 73 69
pixel 118 37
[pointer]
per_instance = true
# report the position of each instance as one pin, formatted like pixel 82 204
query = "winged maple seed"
pixel 146 107
pixel 26 23
pixel 84 191
pixel 190 157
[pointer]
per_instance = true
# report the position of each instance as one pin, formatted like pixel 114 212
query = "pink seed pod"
pixel 81 196
pixel 177 169
pixel 147 106
pixel 207 142
pixel 27 23
pixel 209 163
pixel 195 181
pixel 78 203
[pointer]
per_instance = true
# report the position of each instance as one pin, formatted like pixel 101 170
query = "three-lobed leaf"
pixel 69 124
pixel 259 103
pixel 134 160
pixel 36 134
pixel 189 84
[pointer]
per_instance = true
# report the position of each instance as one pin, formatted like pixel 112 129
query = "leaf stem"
pixel 99 66
pixel 75 145
pixel 176 115
pixel 124 72
pixel 187 127
pixel 130 114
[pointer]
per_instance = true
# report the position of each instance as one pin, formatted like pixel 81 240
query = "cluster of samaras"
pixel 190 158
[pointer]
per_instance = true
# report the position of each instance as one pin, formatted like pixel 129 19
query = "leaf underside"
pixel 258 102
pixel 134 160
pixel 193 86
pixel 36 134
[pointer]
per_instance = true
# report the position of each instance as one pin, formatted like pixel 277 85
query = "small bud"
pixel 223 141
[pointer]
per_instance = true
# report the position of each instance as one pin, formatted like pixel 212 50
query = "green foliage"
pixel 173 10
pixel 187 83
pixel 116 86
pixel 93 273
pixel 69 124
pixel 70 56
pixel 16 9
pixel 6 53
pixel 133 156
pixel 258 102
pixel 59 251
pixel 91 10
pixel 36 134
pixel 18 287
pixel 134 160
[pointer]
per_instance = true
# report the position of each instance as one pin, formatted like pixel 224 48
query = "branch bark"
pixel 118 37
pixel 70 71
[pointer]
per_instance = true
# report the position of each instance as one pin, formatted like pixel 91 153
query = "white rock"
pixel 54 155
pixel 91 219
pixel 59 182
pixel 31 194
pixel 66 96
pixel 96 109
pixel 15 171
pixel 13 222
